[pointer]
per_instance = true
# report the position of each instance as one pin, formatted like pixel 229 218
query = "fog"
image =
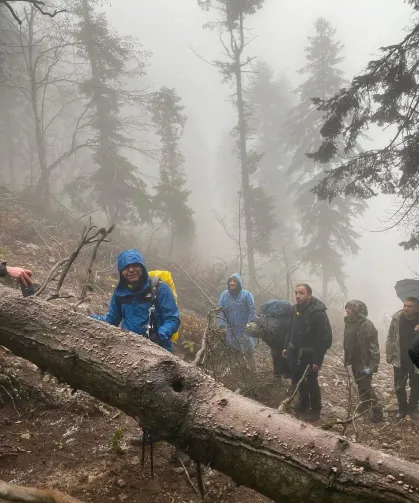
pixel 172 29
pixel 121 129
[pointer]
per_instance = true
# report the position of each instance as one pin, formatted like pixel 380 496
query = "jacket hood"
pixel 237 277
pixel 317 305
pixel 128 257
pixel 358 307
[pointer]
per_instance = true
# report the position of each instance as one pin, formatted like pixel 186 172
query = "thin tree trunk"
pixel 41 189
pixel 172 240
pixel 273 453
pixel 102 109
pixel 243 158
pixel 325 284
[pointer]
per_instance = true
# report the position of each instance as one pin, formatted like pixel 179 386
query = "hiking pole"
pixel 151 458
pixel 200 480
pixel 143 448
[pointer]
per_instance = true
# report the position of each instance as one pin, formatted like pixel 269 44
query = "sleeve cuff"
pixel 3 270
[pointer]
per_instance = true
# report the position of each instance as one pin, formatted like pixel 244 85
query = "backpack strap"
pixel 155 282
pixel 150 294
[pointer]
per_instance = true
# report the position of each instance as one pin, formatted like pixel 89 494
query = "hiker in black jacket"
pixel 308 338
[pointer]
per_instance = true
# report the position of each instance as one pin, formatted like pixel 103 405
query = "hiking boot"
pixel 414 414
pixel 311 416
pixel 376 416
pixel 401 414
pixel 299 408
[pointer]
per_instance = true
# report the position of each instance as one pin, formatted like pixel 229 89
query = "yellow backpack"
pixel 165 276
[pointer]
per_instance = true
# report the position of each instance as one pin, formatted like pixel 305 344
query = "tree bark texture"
pixel 273 453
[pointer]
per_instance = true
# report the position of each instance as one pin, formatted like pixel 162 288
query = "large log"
pixel 275 454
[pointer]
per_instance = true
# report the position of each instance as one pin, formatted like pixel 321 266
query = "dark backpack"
pixel 274 320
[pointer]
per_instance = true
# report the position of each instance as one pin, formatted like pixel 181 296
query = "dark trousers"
pixel 401 376
pixel 280 363
pixel 310 394
pixel 367 397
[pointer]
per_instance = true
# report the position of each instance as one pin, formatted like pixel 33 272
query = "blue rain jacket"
pixel 135 315
pixel 238 310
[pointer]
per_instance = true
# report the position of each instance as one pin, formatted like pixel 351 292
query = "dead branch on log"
pixel 50 276
pixel 11 492
pixel 62 267
pixel 284 404
pixel 200 353
pixel 103 233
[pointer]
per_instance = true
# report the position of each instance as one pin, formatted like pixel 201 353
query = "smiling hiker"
pixel 142 304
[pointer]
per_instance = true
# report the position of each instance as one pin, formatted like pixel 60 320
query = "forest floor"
pixel 50 437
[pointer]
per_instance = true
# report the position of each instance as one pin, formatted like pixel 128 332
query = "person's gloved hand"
pixel 154 337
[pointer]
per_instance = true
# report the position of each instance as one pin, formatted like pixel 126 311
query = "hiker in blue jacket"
pixel 132 300
pixel 238 309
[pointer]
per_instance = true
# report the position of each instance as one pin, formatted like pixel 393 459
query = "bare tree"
pixel 48 82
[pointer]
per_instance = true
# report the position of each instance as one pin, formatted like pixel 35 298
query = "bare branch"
pixel 38 4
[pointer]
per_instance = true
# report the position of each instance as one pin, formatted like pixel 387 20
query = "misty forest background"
pixel 91 125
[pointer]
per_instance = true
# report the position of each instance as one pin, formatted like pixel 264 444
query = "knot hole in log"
pixel 178 384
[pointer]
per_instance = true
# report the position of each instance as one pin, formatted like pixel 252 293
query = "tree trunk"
pixel 325 284
pixel 243 159
pixel 273 453
pixel 42 187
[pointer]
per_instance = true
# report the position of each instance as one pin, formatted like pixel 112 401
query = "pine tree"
pixel 231 24
pixel 326 229
pixel 385 94
pixel 171 198
pixel 115 184
pixel 270 101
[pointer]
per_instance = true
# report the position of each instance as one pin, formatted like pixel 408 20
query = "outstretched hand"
pixel 24 276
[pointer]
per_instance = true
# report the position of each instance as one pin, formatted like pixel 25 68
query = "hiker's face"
pixel 301 295
pixel 132 273
pixel 232 285
pixel 410 308
pixel 350 313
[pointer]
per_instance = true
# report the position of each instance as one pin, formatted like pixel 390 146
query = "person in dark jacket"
pixel 309 336
pixel 131 302
pixel 23 276
pixel 401 336
pixel 362 353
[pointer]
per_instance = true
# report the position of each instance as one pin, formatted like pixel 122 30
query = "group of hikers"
pixel 299 336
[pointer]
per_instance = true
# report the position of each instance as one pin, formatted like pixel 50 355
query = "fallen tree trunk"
pixel 273 453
